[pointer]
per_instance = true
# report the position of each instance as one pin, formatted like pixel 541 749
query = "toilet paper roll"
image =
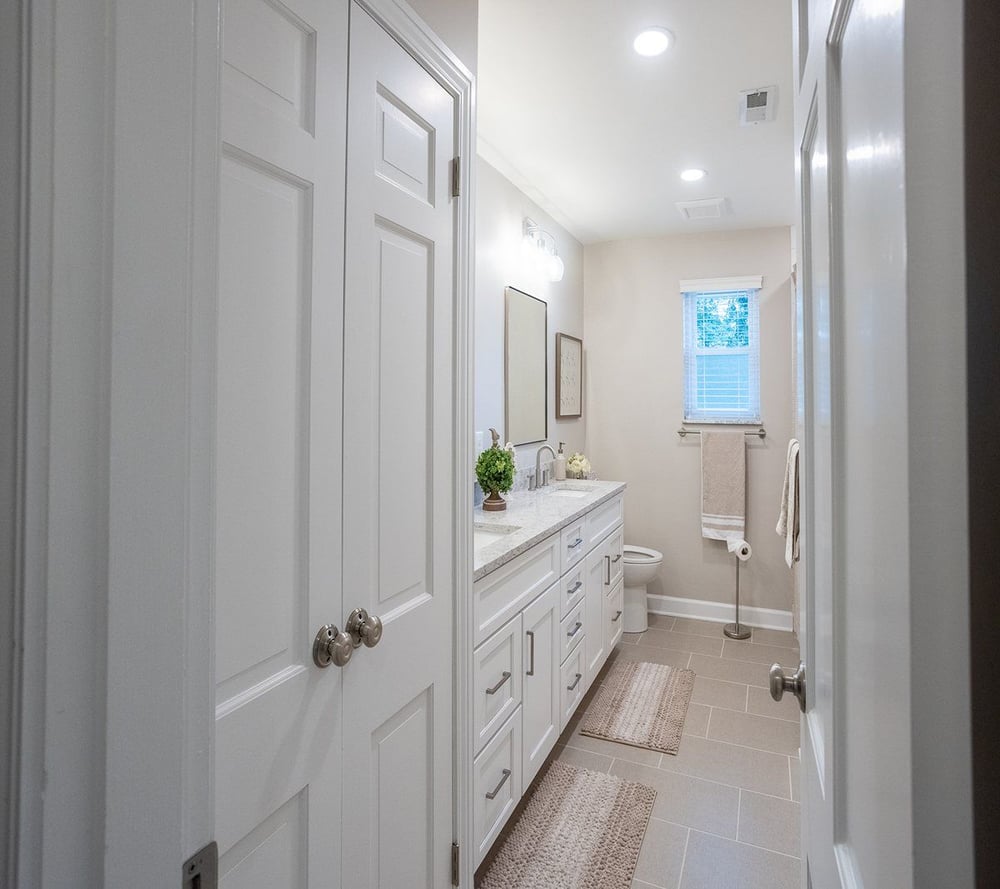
pixel 741 548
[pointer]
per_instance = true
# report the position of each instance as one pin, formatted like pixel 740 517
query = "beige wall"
pixel 634 404
pixel 456 22
pixel 500 210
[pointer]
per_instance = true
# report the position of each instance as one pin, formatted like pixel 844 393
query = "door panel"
pixel 540 716
pixel 856 776
pixel 598 569
pixel 278 441
pixel 398 418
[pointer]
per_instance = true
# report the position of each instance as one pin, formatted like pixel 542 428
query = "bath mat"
pixel 580 830
pixel 641 704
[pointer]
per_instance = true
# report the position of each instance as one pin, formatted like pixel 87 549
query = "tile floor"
pixel 726 813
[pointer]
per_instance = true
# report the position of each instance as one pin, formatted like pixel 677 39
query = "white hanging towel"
pixel 788 517
pixel 723 485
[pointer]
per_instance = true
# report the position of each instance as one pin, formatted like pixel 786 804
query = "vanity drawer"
pixel 571 631
pixel 572 684
pixel 573 589
pixel 496 677
pixel 615 548
pixel 496 784
pixel 602 520
pixel 501 594
pixel 613 610
pixel 573 544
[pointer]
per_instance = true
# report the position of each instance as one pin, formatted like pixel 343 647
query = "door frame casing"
pixel 128 404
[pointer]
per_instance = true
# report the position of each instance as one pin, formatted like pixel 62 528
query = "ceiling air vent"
pixel 713 208
pixel 758 106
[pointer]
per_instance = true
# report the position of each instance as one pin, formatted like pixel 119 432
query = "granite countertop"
pixel 535 515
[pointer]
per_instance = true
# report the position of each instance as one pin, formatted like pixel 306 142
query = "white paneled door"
pixel 333 453
pixel 856 748
pixel 398 453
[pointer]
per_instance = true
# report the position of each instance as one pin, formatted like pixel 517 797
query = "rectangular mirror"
pixel 526 368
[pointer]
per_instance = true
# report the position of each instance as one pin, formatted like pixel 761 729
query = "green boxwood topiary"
pixel 495 470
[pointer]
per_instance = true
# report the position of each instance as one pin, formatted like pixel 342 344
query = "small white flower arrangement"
pixel 578 465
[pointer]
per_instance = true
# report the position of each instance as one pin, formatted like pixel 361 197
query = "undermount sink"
pixel 484 534
pixel 574 491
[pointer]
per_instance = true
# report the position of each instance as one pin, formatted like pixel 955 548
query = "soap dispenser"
pixel 559 472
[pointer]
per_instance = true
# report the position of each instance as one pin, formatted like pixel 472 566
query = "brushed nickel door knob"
pixel 781 682
pixel 331 647
pixel 364 628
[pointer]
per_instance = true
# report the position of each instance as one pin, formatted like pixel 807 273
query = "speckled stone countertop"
pixel 535 515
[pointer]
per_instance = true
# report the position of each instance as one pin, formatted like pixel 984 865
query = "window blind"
pixel 722 356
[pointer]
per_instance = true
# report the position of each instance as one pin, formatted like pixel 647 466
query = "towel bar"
pixel 760 433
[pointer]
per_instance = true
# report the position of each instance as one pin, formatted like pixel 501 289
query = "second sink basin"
pixel 484 534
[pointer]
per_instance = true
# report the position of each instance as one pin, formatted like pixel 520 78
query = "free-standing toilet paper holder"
pixel 737 630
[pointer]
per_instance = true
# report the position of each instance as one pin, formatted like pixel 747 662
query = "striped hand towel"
pixel 723 484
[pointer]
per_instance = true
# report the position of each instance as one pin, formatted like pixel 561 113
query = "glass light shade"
pixel 556 267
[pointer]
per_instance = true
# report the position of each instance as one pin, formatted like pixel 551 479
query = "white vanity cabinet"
pixel 545 622
pixel 540 716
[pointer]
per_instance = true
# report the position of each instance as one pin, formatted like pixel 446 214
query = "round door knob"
pixel 331 647
pixel 780 683
pixel 364 628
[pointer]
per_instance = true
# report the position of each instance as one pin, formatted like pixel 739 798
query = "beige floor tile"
pixel 714 863
pixel 639 884
pixel 739 766
pixel 654 655
pixel 681 641
pixel 761 703
pixel 631 638
pixel 793 768
pixel 662 854
pixel 784 638
pixel 614 750
pixel 759 653
pixel 775 735
pixel 716 693
pixel 686 800
pixel 729 670
pixel 698 627
pixel 769 822
pixel 696 720
pixel 663 621
pixel 585 759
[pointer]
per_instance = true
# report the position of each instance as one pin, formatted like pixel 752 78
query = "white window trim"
pixel 753 283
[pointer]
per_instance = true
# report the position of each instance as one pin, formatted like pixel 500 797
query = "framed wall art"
pixel 569 377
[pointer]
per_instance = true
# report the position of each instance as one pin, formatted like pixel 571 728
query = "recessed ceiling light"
pixel 653 41
pixel 693 175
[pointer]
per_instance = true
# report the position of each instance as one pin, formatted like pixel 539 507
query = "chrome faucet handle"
pixel 531 480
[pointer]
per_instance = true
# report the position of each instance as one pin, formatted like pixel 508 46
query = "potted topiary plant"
pixel 495 474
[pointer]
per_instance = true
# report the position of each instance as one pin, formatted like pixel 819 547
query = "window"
pixel 722 350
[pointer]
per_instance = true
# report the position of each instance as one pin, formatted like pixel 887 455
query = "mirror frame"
pixel 506 367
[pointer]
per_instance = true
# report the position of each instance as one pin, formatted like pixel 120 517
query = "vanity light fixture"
pixel 653 41
pixel 693 174
pixel 538 245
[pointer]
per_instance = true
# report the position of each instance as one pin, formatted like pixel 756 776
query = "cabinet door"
pixel 540 716
pixel 613 610
pixel 597 587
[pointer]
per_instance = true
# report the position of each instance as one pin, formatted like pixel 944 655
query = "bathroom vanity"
pixel 547 603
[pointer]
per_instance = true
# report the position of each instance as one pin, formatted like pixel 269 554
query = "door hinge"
pixel 201 870
pixel 456 180
pixel 455 880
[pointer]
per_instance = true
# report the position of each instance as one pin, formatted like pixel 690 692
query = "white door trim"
pixel 139 373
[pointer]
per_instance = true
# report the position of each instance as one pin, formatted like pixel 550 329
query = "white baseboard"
pixel 720 612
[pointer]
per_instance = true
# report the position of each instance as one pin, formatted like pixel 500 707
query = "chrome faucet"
pixel 541 480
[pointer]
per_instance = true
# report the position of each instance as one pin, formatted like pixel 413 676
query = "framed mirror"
pixel 525 368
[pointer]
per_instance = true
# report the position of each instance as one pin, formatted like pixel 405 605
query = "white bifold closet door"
pixel 332 465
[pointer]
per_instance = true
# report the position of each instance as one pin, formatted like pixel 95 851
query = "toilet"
pixel 641 566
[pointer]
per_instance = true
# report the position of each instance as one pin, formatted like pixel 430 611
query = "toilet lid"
pixel 640 554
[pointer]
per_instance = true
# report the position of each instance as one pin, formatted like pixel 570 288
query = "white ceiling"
pixel 597 134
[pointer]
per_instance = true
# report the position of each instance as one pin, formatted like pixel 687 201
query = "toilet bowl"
pixel 641 566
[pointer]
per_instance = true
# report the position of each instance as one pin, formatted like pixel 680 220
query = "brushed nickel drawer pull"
pixel 574 588
pixel 618 615
pixel 576 682
pixel 617 558
pixel 575 630
pixel 496 790
pixel 499 685
pixel 575 543
pixel 531 636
